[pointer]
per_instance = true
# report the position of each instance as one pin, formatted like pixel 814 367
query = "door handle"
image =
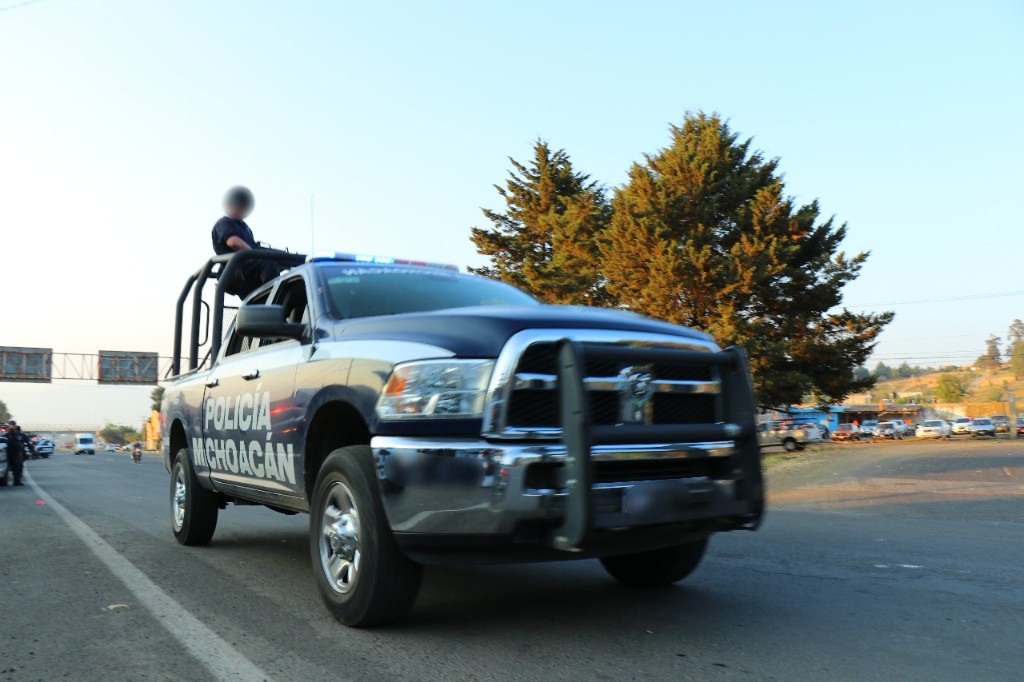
pixel 213 383
pixel 249 376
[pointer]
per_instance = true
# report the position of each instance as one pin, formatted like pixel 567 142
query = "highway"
pixel 889 562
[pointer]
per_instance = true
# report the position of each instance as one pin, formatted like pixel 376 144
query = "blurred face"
pixel 237 211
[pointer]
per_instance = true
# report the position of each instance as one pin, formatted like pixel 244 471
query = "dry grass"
pixel 980 385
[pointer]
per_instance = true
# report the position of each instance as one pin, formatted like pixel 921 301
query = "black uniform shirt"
pixel 229 227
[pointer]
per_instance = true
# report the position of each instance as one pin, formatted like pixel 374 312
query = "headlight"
pixel 436 389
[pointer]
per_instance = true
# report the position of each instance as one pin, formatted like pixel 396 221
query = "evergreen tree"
pixel 5 415
pixel 545 241
pixel 1017 359
pixel 992 359
pixel 703 235
pixel 950 388
pixel 882 371
pixel 1016 332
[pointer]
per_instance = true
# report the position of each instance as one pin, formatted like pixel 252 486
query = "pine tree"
pixel 992 359
pixel 1017 359
pixel 950 388
pixel 703 235
pixel 1015 347
pixel 545 241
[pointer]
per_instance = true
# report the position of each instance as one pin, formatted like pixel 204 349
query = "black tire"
pixel 193 507
pixel 372 582
pixel 789 445
pixel 658 568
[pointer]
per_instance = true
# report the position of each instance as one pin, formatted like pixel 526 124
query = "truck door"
pixel 249 415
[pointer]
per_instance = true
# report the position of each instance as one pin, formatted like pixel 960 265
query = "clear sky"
pixel 122 122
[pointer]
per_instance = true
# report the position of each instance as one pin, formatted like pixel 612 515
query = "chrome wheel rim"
pixel 178 498
pixel 339 538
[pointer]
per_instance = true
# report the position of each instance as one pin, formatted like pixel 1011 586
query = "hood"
pixel 482 331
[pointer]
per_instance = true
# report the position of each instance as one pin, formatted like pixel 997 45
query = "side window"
pixel 242 344
pixel 292 296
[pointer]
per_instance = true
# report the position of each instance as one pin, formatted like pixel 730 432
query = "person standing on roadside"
pixel 15 451
pixel 231 234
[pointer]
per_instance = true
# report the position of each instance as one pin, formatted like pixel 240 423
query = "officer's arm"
pixel 236 244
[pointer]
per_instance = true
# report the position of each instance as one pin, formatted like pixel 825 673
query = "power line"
pixel 19 5
pixel 943 299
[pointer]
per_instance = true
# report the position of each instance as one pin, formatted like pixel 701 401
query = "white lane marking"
pixel 221 659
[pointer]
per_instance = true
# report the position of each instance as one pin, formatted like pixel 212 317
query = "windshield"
pixel 370 291
pixel 983 422
pixel 933 423
pixel 870 422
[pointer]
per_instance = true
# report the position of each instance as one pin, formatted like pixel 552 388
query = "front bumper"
pixel 474 487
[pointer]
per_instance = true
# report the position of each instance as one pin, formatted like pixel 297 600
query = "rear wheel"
pixel 789 445
pixel 363 576
pixel 657 568
pixel 193 507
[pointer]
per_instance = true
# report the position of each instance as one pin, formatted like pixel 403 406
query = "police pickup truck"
pixel 420 415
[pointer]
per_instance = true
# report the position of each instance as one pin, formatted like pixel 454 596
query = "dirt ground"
pixel 917 478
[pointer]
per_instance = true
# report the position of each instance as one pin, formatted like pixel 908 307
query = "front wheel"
pixel 363 576
pixel 789 445
pixel 657 568
pixel 193 507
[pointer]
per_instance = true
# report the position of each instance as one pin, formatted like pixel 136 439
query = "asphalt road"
pixel 890 562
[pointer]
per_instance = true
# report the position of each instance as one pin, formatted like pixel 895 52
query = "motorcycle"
pixel 137 454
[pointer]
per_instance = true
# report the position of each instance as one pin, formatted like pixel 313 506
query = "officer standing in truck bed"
pixel 231 234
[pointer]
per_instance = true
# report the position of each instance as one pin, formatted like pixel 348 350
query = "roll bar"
pixel 194 285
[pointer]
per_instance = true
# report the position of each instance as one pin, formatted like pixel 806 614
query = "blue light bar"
pixel 338 257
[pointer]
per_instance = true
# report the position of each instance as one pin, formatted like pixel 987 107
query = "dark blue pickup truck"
pixel 420 415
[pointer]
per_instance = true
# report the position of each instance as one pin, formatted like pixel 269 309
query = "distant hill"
pixel 982 386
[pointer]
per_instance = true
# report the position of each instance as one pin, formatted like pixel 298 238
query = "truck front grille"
pixel 680 393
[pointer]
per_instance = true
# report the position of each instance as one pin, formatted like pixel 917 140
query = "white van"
pixel 85 444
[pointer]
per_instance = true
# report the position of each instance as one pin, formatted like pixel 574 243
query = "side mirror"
pixel 267 321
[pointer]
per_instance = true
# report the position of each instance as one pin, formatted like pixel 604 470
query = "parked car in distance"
pixel 846 432
pixel 787 435
pixel 982 426
pixel 1001 422
pixel 933 428
pixel 961 425
pixel 821 427
pixel 111 447
pixel 1020 427
pixel 44 447
pixel 887 431
pixel 868 426
pixel 902 427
